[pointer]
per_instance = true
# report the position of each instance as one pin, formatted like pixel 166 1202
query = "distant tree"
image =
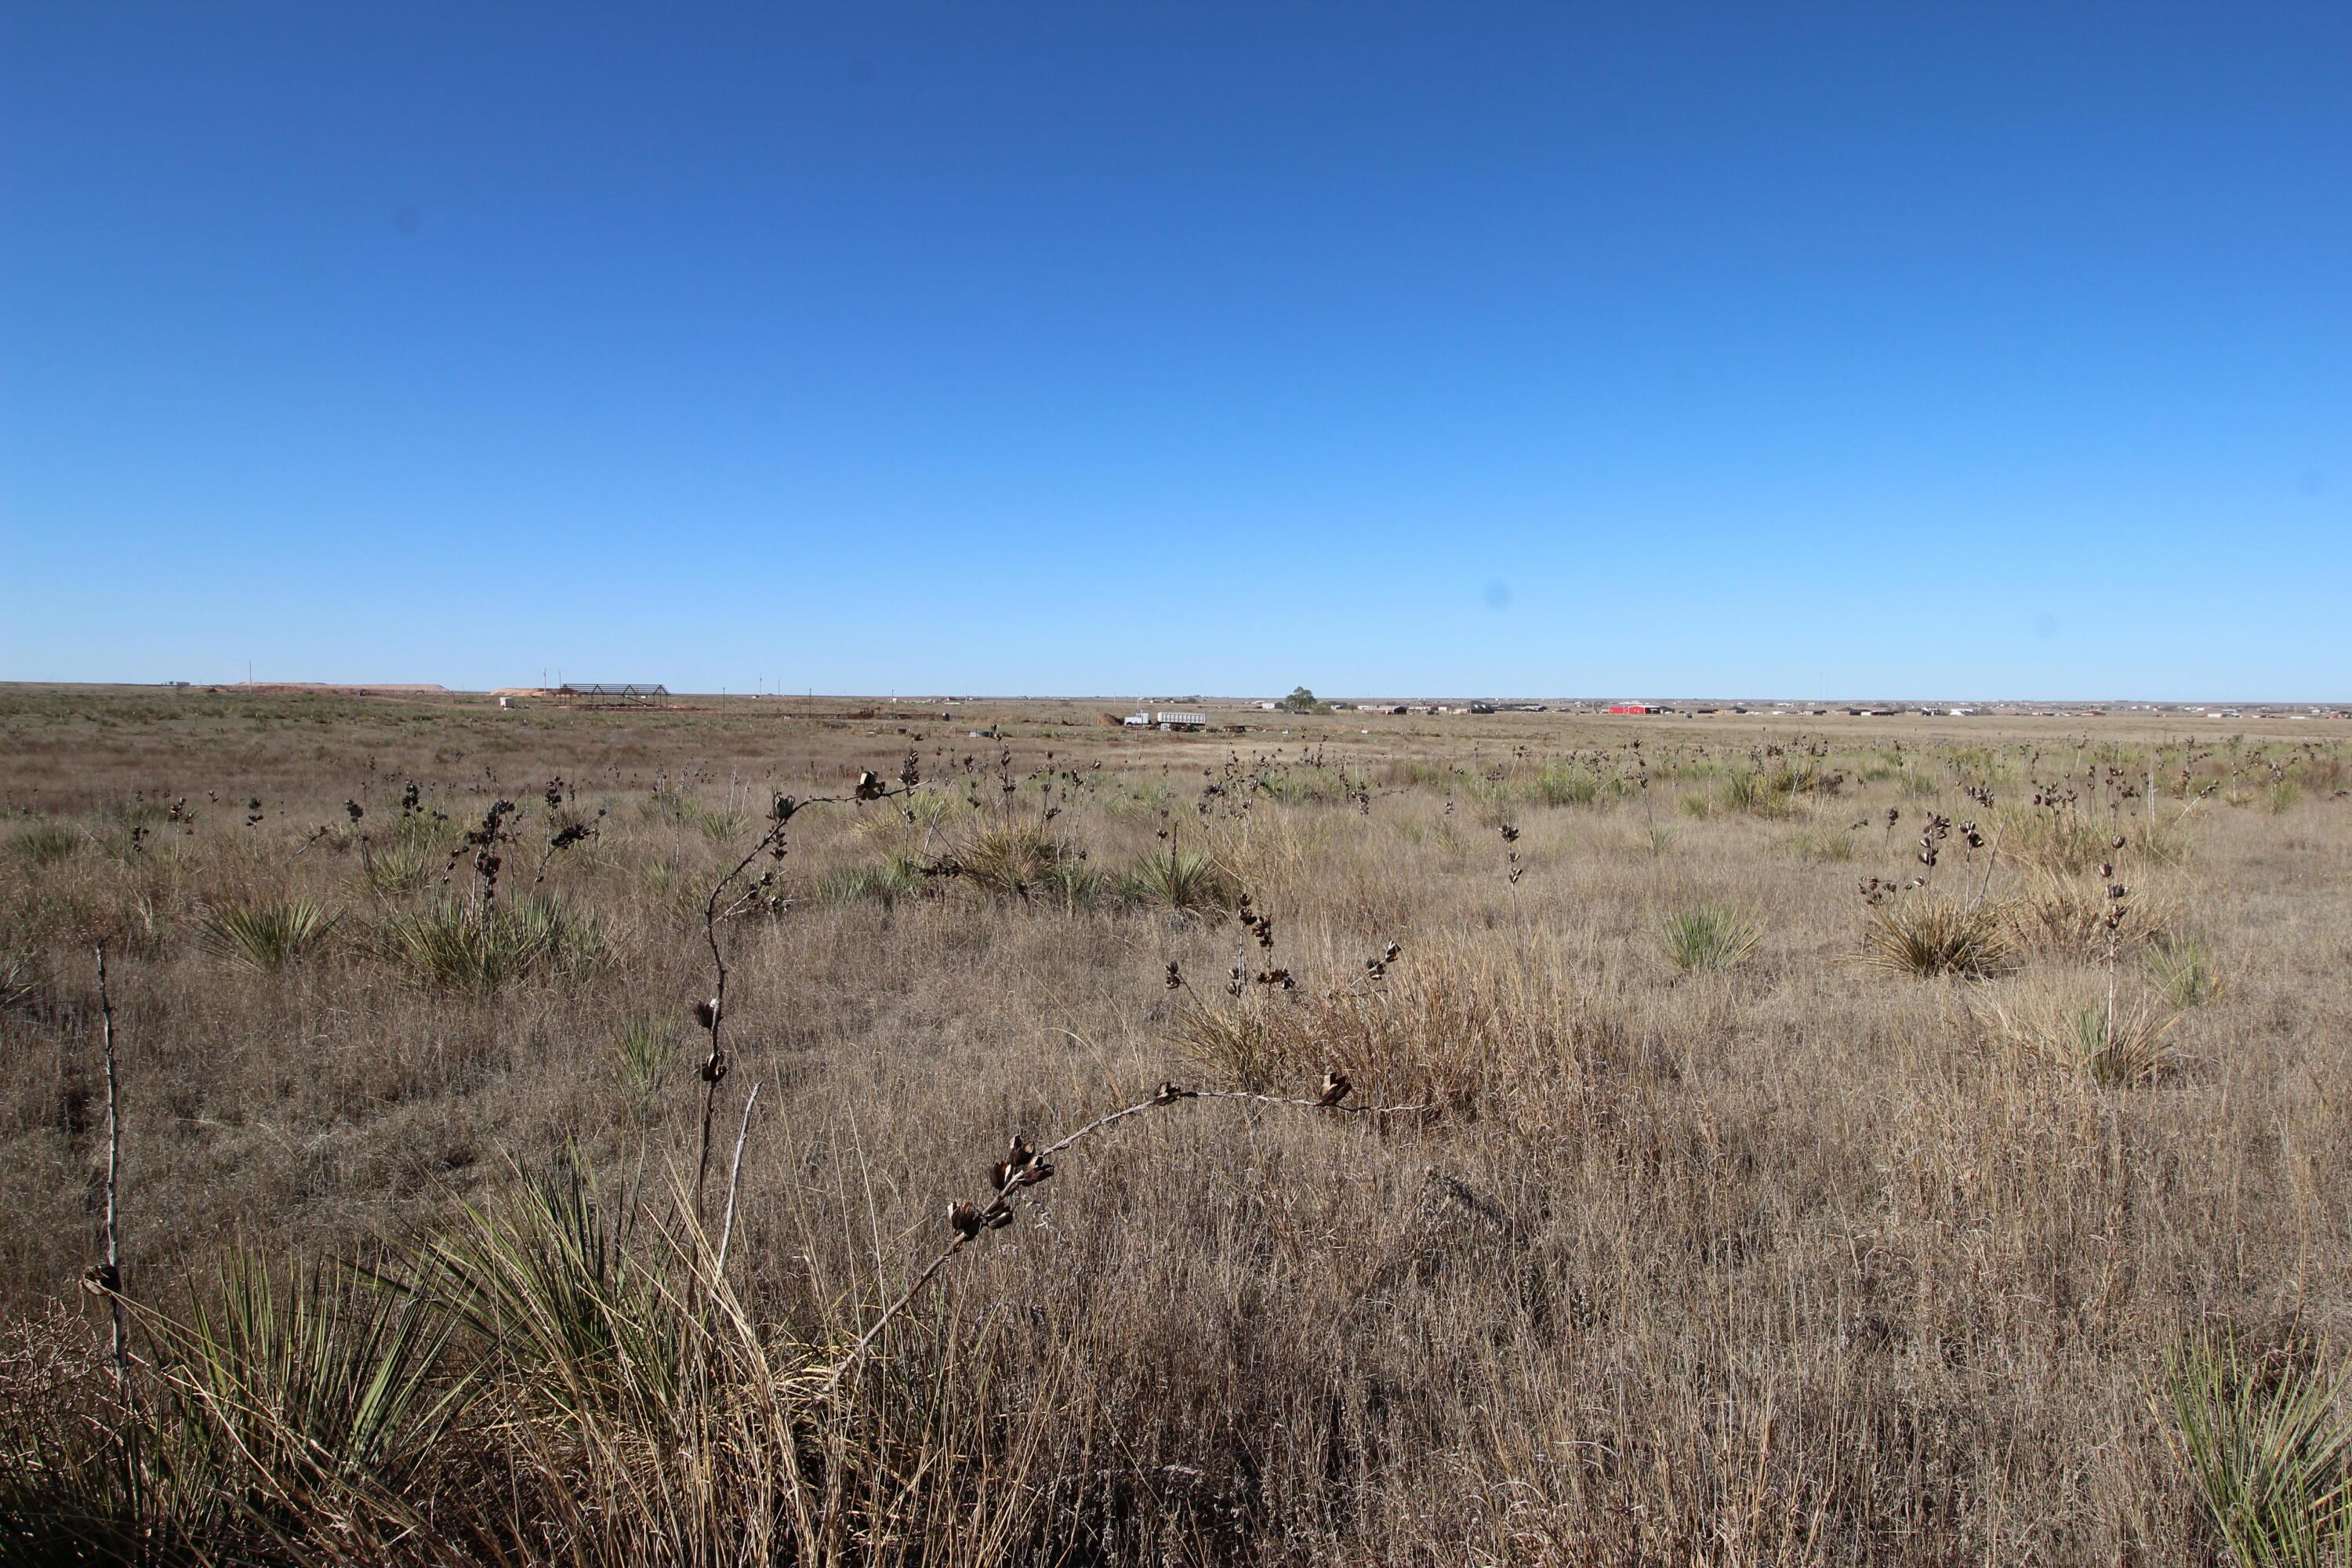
pixel 1301 700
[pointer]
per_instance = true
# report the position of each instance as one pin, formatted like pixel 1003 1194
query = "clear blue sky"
pixel 1001 346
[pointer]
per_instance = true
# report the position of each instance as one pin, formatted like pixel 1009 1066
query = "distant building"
pixel 614 694
pixel 1629 707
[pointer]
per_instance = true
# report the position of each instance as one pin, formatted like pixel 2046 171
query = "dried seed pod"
pixel 1171 1089
pixel 706 1013
pixel 1334 1088
pixel 964 1218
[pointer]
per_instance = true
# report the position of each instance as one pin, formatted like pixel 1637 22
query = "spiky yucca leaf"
pixel 2270 1449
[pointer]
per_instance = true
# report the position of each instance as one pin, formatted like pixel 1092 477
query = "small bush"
pixel 1708 937
pixel 267 935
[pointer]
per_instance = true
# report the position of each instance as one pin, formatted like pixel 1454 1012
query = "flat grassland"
pixel 1702 1189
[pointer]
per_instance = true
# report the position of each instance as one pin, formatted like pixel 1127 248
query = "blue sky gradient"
pixel 1929 350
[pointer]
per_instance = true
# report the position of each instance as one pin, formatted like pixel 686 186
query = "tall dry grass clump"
pixel 1474 1029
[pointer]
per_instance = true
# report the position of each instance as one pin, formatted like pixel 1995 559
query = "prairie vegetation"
pixel 584 1137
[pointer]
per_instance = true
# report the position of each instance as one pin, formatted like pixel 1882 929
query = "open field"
pixel 1704 1190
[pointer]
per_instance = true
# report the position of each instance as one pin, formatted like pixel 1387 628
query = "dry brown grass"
pixel 1788 1260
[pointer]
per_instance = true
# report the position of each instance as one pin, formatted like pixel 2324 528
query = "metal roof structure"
pixel 614 689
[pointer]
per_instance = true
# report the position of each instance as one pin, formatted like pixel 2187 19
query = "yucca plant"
pixel 2068 915
pixel 2183 968
pixel 1811 845
pixel 307 1394
pixel 269 933
pixel 2267 1444
pixel 893 878
pixel 550 1289
pixel 1007 859
pixel 1557 784
pixel 645 1053
pixel 457 945
pixel 403 866
pixel 46 843
pixel 1758 793
pixel 18 979
pixel 1072 882
pixel 1928 935
pixel 2123 1048
pixel 1708 937
pixel 718 823
pixel 1188 881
